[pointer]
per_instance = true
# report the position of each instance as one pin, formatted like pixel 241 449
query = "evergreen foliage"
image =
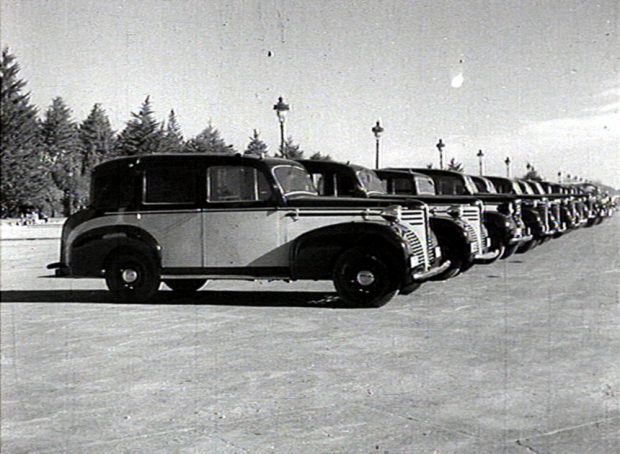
pixel 23 174
pixel 96 138
pixel 63 152
pixel 172 137
pixel 532 174
pixel 208 141
pixel 142 134
pixel 321 157
pixel 291 150
pixel 256 147
pixel 455 166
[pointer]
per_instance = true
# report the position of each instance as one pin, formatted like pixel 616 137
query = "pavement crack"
pixel 528 447
pixel 422 421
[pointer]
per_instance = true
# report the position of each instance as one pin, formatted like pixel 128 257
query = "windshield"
pixel 538 189
pixel 371 182
pixel 526 188
pixel 480 186
pixel 516 188
pixel 294 180
pixel 425 185
pixel 469 183
pixel 489 185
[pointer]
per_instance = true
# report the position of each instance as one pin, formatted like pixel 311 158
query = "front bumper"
pixel 426 275
pixel 484 258
pixel 61 270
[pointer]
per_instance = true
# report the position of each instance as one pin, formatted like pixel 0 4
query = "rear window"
pixel 113 188
pixel 170 185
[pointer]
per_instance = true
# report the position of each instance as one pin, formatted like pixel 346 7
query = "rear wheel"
pixel 132 277
pixel 185 286
pixel 363 278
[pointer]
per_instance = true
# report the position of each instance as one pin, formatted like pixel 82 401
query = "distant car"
pixel 183 219
pixel 456 223
pixel 501 213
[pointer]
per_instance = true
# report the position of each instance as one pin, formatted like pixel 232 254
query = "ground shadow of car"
pixel 206 297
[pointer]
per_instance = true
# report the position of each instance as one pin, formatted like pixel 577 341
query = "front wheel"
pixel 363 278
pixel 185 286
pixel 132 277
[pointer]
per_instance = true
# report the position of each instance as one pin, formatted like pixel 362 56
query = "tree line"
pixel 47 160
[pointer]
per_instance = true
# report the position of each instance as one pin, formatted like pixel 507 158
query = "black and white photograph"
pixel 328 226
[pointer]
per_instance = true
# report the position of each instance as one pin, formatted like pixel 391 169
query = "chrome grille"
pixel 471 216
pixel 415 221
pixel 431 248
pixel 473 237
pixel 416 245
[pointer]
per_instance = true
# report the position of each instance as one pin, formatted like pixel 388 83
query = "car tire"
pixel 185 286
pixel 132 277
pixel 525 247
pixel 409 289
pixel 509 251
pixel 363 278
pixel 449 252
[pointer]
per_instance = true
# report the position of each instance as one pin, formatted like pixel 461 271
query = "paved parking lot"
pixel 521 356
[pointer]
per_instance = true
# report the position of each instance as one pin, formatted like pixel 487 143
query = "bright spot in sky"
pixel 457 80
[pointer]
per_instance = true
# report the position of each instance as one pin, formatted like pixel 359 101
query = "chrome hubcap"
pixel 365 278
pixel 129 276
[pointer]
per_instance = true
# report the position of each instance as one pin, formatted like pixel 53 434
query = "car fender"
pixel 500 226
pixel 89 251
pixel 447 229
pixel 313 254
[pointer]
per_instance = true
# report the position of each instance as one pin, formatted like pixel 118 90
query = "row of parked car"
pixel 188 218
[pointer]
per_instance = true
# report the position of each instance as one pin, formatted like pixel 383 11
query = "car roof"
pixel 179 157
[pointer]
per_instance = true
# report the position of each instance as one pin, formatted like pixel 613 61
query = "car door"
pixel 240 222
pixel 171 212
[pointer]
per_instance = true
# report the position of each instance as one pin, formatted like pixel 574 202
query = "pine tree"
pixel 321 157
pixel 96 138
pixel 63 151
pixel 455 166
pixel 142 134
pixel 532 174
pixel 172 138
pixel 23 173
pixel 256 147
pixel 291 150
pixel 208 141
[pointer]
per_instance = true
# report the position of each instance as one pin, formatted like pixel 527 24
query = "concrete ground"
pixel 522 356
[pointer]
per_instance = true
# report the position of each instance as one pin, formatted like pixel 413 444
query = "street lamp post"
pixel 281 108
pixel 440 146
pixel 507 162
pixel 377 130
pixel 480 155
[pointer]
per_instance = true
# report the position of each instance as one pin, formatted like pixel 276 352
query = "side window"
pixel 170 185
pixel 403 186
pixel 450 186
pixel 345 185
pixel 324 183
pixel 237 184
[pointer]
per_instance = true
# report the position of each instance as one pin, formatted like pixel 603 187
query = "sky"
pixel 538 81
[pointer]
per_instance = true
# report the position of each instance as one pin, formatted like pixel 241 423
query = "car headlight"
pixel 392 213
pixel 456 211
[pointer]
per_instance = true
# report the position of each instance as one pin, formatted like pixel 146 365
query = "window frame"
pixel 143 199
pixel 238 203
